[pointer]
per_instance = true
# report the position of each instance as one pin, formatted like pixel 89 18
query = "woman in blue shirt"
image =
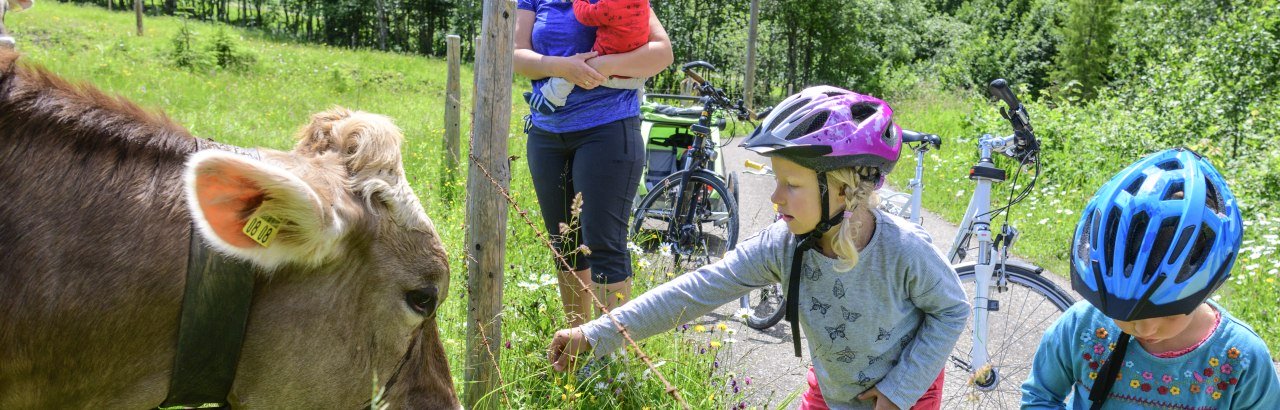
pixel 590 146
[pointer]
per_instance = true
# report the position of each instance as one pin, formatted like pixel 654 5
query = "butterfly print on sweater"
pixel 850 316
pixel 819 306
pixel 832 332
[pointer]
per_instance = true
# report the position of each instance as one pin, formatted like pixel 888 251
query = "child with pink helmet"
pixel 879 304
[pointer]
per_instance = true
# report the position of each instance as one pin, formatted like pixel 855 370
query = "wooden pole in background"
pixel 452 108
pixel 137 9
pixel 486 209
pixel 748 89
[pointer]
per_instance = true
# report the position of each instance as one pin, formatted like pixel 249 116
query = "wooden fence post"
pixel 452 112
pixel 137 9
pixel 748 89
pixel 486 209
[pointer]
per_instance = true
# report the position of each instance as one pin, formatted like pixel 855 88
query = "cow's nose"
pixel 423 300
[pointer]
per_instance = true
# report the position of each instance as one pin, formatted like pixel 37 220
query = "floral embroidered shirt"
pixel 1230 370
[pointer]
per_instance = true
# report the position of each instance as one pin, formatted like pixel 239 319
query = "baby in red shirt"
pixel 622 26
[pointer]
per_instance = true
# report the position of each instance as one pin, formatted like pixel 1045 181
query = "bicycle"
pixel 907 205
pixel 988 367
pixel 691 216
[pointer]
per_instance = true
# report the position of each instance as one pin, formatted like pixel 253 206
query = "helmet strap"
pixel 1107 374
pixel 807 241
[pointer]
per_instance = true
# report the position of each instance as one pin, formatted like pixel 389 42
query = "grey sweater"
pixel 889 323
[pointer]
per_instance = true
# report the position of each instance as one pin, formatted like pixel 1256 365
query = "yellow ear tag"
pixel 262 228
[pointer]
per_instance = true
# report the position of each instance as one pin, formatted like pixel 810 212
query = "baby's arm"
pixel 1051 374
pixel 591 14
pixel 751 265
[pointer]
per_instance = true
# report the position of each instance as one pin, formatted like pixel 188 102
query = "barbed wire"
pixel 524 215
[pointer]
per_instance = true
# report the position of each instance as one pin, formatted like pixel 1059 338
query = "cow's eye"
pixel 422 300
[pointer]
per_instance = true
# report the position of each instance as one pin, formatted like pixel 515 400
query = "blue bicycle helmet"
pixel 1157 239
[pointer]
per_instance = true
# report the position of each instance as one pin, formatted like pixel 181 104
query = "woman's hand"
pixel 578 71
pixel 565 347
pixel 882 402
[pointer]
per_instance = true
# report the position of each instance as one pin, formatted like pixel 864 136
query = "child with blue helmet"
pixel 1151 247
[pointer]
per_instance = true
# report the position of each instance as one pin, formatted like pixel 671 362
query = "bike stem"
pixel 977 222
pixel 917 186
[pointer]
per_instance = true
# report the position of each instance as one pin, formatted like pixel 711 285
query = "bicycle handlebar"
pixel 913 136
pixel 1025 144
pixel 716 95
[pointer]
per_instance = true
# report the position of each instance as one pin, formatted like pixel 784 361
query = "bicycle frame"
pixel 696 158
pixel 917 185
pixel 977 224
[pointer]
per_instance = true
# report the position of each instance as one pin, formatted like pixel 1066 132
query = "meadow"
pixel 277 85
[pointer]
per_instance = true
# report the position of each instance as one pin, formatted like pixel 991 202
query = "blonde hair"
pixel 859 188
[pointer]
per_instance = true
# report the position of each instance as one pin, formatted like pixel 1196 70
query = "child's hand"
pixel 577 71
pixel 882 402
pixel 565 347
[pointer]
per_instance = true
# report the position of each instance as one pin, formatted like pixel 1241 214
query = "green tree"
pixel 1086 45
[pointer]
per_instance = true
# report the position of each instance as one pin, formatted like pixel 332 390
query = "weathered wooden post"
pixel 137 9
pixel 452 112
pixel 486 208
pixel 748 89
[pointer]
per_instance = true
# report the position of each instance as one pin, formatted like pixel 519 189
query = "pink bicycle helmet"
pixel 826 128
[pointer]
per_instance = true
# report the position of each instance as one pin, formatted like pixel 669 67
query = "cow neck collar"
pixel 215 314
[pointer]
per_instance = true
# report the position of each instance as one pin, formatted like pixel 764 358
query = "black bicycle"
pixel 690 217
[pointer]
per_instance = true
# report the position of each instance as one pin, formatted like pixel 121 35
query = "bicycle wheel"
pixel 707 228
pixel 1030 304
pixel 765 307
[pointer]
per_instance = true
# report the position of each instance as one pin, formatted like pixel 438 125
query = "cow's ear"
pixel 257 211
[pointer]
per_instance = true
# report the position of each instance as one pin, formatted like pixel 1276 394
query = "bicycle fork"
pixel 977 224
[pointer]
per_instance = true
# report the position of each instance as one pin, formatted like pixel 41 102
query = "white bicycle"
pixel 1013 303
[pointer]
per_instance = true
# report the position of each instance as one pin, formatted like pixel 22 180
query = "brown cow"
pixel 97 200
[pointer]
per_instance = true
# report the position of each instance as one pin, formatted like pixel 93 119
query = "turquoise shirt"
pixel 1231 370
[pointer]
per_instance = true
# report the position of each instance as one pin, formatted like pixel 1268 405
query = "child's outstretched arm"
pixel 1051 374
pixel 752 264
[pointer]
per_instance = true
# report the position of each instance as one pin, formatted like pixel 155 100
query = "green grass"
pixel 1047 218
pixel 265 104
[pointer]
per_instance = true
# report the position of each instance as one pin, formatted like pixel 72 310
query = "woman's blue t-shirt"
pixel 556 32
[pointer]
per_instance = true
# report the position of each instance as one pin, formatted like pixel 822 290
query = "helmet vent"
pixel 1170 165
pixel 1137 226
pixel 1133 187
pixel 1086 238
pixel 1183 238
pixel 1197 254
pixel 1164 237
pixel 1175 191
pixel 1113 224
pixel 1212 199
pixel 812 124
pixel 890 138
pixel 861 111
pixel 790 109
